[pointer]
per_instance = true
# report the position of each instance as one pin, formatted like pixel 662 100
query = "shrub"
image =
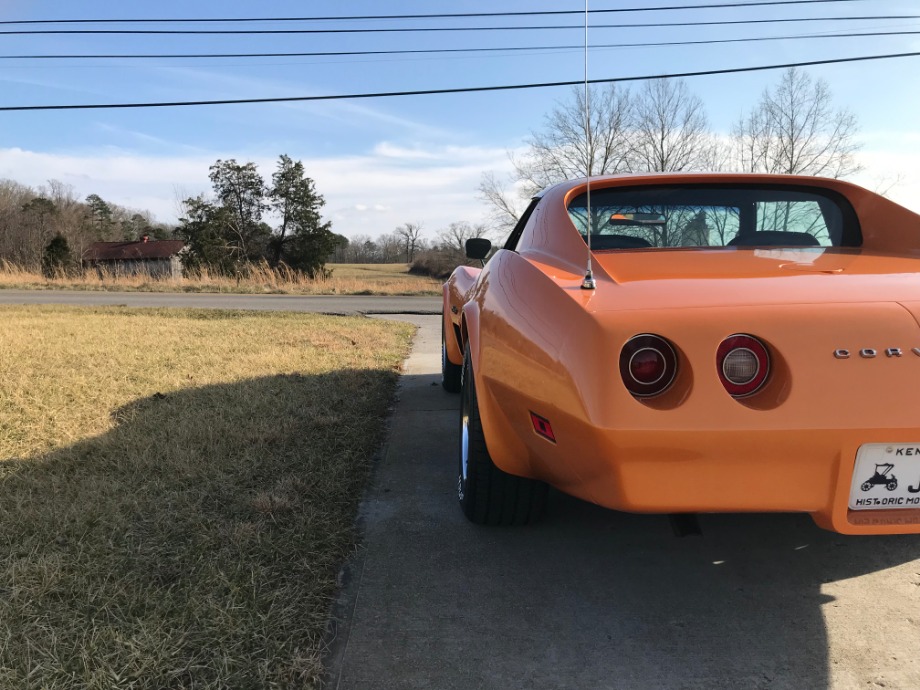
pixel 438 263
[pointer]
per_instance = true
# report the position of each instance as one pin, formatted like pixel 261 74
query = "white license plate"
pixel 886 476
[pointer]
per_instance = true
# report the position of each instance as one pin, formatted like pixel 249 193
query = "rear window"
pixel 708 216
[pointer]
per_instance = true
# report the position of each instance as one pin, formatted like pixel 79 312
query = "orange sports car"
pixel 737 343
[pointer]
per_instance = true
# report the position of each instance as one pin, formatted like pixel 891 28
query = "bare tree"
pixel 410 233
pixel 505 207
pixel 389 248
pixel 455 235
pixel 560 150
pixel 671 129
pixel 662 127
pixel 796 130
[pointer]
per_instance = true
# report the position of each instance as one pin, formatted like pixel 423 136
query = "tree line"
pixel 30 218
pixel 225 232
pixel 435 257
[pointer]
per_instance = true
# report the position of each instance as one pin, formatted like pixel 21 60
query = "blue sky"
pixel 380 163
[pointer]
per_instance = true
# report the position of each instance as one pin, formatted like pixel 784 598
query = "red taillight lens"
pixel 743 363
pixel 648 365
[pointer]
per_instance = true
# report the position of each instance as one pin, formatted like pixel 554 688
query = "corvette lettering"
pixel 872 353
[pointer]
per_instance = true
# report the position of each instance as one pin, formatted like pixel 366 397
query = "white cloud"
pixel 387 150
pixel 890 162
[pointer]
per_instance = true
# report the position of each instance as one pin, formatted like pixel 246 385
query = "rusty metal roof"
pixel 127 251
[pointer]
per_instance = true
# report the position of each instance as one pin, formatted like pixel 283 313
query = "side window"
pixel 515 236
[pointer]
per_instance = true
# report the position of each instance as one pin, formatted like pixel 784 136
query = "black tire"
pixel 489 496
pixel 451 374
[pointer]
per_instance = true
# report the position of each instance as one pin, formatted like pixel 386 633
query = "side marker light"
pixel 542 426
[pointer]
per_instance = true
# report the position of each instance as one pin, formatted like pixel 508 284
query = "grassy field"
pixel 178 489
pixel 346 279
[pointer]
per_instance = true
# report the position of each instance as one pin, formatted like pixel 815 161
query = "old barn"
pixel 155 258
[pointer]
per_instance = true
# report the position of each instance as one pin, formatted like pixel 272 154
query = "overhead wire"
pixel 441 15
pixel 441 29
pixel 422 51
pixel 472 89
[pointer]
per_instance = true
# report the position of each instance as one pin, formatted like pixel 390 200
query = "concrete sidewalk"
pixel 591 598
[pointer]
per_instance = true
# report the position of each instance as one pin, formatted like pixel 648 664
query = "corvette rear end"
pixel 771 374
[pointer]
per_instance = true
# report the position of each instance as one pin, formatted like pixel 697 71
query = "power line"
pixel 254 32
pixel 444 15
pixel 346 53
pixel 473 89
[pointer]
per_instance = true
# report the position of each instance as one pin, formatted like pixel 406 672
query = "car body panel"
pixel 541 344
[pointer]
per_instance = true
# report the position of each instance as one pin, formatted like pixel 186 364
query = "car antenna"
pixel 588 283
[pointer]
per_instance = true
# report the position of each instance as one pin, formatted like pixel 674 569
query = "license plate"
pixel 886 477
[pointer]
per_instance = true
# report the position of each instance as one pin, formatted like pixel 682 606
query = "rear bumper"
pixel 791 471
pixel 688 471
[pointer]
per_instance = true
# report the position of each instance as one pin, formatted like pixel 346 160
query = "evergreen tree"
pixel 100 217
pixel 57 258
pixel 204 228
pixel 303 241
pixel 240 190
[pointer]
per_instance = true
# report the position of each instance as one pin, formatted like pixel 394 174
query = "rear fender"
pixel 498 349
pixel 452 342
pixel 455 295
pixel 469 329
pixel 505 448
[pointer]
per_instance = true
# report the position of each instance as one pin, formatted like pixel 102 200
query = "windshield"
pixel 709 216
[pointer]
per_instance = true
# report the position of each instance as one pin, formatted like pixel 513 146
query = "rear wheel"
pixel 489 496
pixel 450 373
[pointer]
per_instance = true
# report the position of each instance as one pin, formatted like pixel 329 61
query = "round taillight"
pixel 743 363
pixel 648 365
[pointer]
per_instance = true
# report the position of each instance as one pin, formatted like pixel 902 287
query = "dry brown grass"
pixel 345 279
pixel 177 491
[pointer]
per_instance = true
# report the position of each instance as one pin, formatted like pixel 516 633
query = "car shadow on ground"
pixel 746 604
pixel 196 543
pixel 591 598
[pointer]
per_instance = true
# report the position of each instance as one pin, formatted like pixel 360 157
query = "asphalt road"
pixel 591 598
pixel 327 304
